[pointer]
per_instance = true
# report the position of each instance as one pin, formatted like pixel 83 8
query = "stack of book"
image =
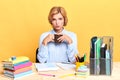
pixel 82 71
pixel 16 67
pixel 81 66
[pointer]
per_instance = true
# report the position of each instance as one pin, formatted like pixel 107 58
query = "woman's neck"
pixel 58 31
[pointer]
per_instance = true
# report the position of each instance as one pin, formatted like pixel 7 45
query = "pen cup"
pixel 78 64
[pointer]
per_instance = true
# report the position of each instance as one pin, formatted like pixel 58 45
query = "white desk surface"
pixel 115 75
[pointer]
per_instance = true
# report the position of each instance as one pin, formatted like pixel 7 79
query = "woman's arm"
pixel 72 48
pixel 43 50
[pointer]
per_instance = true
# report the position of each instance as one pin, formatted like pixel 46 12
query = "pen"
pixel 52 75
pixel 77 58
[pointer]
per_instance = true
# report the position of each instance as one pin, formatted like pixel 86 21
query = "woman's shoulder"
pixel 45 34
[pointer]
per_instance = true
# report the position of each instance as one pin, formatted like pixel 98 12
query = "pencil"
pixel 67 75
pixel 52 75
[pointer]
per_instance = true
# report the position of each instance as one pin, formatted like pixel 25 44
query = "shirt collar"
pixel 63 31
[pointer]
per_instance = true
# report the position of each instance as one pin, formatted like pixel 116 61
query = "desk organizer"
pixel 101 51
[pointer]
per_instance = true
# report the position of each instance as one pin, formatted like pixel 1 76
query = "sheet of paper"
pixel 66 66
pixel 46 66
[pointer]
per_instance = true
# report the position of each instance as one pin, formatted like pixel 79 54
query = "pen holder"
pixel 78 64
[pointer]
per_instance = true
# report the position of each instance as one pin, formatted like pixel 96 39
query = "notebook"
pixel 46 66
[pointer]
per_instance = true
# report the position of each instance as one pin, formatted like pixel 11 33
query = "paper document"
pixel 66 66
pixel 46 66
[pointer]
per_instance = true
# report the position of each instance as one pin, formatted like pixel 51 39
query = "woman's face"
pixel 58 22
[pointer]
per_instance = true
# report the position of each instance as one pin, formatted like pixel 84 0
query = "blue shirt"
pixel 54 52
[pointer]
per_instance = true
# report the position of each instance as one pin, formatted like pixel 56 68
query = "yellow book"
pixel 15 60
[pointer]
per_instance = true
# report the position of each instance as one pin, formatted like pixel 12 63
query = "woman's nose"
pixel 57 22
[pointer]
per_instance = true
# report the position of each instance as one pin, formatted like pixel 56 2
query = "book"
pixel 13 72
pixel 18 75
pixel 82 68
pixel 46 66
pixel 19 66
pixel 12 65
pixel 16 60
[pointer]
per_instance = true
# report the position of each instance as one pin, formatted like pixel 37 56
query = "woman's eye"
pixel 53 19
pixel 60 18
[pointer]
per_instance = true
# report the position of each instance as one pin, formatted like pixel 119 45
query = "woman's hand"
pixel 65 37
pixel 48 38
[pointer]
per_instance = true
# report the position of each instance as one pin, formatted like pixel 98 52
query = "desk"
pixel 115 75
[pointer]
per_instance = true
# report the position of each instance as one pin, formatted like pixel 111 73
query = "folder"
pixel 108 64
pixel 92 55
pixel 102 59
pixel 97 55
pixel 103 50
pixel 92 48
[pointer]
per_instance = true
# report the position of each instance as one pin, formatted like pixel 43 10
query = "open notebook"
pixel 46 66
pixel 53 66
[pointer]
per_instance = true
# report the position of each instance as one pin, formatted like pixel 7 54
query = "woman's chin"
pixel 57 29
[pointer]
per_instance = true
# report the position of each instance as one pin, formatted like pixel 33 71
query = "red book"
pixel 19 66
pixel 13 72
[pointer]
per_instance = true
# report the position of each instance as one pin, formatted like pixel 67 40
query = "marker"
pixel 13 58
pixel 47 75
pixel 84 57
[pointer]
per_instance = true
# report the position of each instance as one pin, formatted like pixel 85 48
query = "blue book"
pixel 19 75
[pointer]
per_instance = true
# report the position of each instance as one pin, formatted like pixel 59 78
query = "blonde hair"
pixel 56 10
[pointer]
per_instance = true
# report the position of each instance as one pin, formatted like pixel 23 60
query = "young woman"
pixel 57 49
